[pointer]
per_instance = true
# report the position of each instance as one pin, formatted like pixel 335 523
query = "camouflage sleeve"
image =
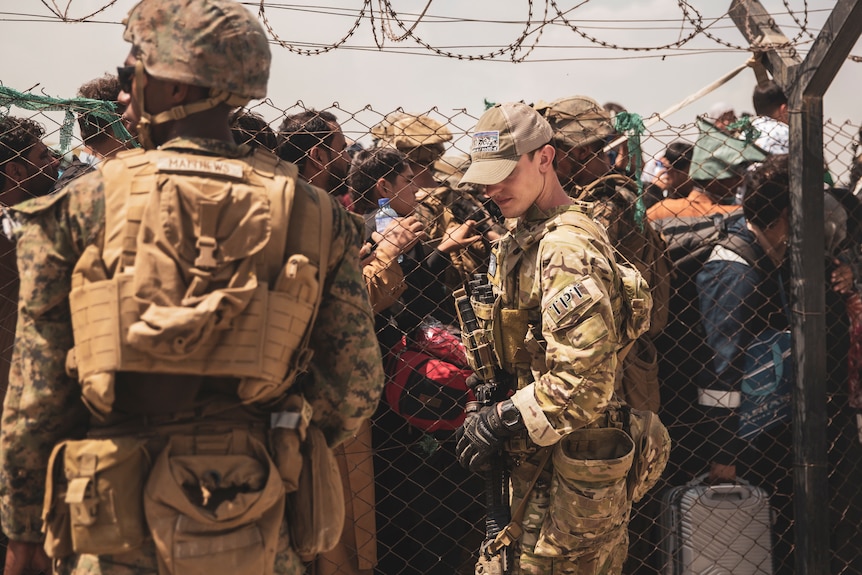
pixel 346 372
pixel 42 406
pixel 581 337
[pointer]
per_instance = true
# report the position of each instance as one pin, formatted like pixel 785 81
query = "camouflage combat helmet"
pixel 215 44
pixel 577 120
pixel 414 131
pixel 382 131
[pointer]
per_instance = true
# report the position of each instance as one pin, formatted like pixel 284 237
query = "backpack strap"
pixel 283 191
pixel 612 178
pixel 738 247
pixel 316 246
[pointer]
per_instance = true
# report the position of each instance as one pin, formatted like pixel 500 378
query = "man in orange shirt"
pixel 718 168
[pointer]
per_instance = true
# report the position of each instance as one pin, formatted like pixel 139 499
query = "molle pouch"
pixel 292 302
pixel 103 484
pixel 55 510
pixel 510 331
pixel 638 301
pixel 315 512
pixel 286 434
pixel 588 500
pixel 652 450
pixel 214 504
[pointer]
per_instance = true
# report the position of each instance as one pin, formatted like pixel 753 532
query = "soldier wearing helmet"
pixel 174 347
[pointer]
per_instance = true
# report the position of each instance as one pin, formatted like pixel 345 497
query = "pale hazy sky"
pixel 56 57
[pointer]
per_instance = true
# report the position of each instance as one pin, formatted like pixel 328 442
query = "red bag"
pixel 429 392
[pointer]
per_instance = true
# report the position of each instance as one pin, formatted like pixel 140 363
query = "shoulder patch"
pixel 186 164
pixel 570 299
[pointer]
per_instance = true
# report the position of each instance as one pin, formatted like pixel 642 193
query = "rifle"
pixel 476 335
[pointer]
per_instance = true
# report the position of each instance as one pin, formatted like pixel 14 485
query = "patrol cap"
pixel 415 131
pixel 504 134
pixel 216 44
pixel 577 120
pixel 717 155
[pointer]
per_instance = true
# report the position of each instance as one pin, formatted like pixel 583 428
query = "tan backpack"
pixel 192 278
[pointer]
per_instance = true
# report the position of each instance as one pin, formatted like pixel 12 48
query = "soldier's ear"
pixel 186 93
pixel 546 157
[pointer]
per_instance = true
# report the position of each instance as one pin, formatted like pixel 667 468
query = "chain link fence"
pixel 413 509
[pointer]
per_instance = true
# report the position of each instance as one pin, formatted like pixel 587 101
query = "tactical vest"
pixel 210 266
pixel 510 326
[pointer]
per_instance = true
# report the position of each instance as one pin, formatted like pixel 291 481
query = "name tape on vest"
pixel 186 165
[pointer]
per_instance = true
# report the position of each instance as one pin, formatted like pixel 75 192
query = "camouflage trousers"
pixel 143 561
pixel 586 545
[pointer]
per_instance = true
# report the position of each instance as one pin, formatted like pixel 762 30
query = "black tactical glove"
pixel 483 433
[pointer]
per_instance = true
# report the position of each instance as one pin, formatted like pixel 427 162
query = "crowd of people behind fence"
pixel 706 223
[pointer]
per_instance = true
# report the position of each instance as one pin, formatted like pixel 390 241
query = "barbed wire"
pixel 63 15
pixel 387 23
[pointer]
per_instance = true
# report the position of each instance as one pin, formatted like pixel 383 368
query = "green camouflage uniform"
pixel 43 404
pixel 567 282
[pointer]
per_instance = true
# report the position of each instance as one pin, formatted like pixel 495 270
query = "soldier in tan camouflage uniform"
pixel 192 61
pixel 559 321
pixel 582 129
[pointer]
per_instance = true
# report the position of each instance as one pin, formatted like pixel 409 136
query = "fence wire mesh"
pixel 411 507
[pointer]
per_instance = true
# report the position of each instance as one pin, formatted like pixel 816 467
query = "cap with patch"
pixel 504 134
pixel 577 120
pixel 717 155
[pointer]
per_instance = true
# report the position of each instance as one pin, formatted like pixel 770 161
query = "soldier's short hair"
pixel 17 136
pixel 300 132
pixel 367 168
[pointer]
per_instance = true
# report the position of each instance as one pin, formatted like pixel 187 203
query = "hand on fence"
pixel 459 238
pixel 399 237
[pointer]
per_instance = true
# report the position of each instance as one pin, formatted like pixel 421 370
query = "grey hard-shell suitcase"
pixel 723 529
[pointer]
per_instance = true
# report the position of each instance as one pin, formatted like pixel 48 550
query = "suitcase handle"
pixel 701 480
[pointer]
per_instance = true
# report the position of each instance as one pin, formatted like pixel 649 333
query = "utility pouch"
pixel 214 504
pixel 652 450
pixel 287 432
pixel 103 480
pixel 588 500
pixel 315 511
pixel 638 381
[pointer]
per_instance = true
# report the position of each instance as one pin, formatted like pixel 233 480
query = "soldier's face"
pixel 520 189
